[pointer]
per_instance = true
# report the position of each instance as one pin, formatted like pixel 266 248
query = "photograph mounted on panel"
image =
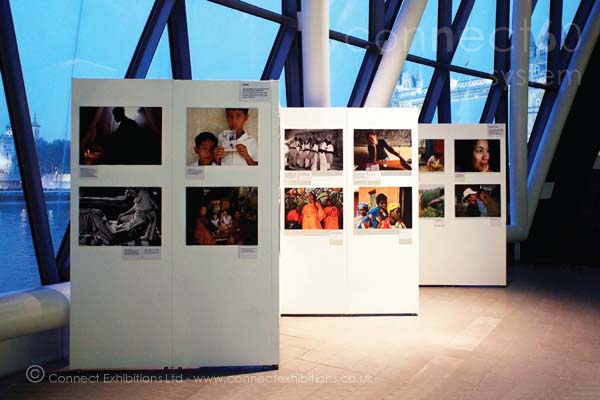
pixel 221 216
pixel 431 201
pixel 383 208
pixel 477 200
pixel 120 135
pixel 382 150
pixel 431 155
pixel 477 155
pixel 222 137
pixel 119 216
pixel 314 208
pixel 313 150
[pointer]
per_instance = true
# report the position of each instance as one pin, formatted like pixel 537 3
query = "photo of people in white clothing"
pixel 313 150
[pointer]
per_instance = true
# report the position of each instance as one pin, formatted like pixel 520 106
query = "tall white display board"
pixel 143 294
pixel 467 245
pixel 347 270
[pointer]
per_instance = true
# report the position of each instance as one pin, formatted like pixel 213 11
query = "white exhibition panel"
pixel 226 309
pixel 121 309
pixel 198 305
pixel 313 272
pixel 383 272
pixel 368 272
pixel 465 250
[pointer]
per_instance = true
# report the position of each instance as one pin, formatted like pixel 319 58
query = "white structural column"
pixel 517 129
pixel 561 109
pixel 395 50
pixel 314 22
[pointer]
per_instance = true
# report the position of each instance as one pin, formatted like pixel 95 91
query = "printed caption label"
pixel 248 252
pixel 88 172
pixel 255 91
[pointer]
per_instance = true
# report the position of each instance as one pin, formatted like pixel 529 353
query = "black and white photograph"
pixel 478 200
pixel 120 135
pixel 120 216
pixel 222 137
pixel 221 216
pixel 382 150
pixel 313 150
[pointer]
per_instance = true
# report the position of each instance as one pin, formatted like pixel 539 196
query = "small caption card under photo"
pixel 496 222
pixel 89 172
pixel 367 178
pixel 336 238
pixel 255 91
pixel 298 178
pixel 405 236
pixel 497 130
pixel 439 222
pixel 198 172
pixel 248 252
pixel 141 253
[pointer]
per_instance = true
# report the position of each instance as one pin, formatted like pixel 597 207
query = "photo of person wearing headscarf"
pixel 313 208
pixel 383 208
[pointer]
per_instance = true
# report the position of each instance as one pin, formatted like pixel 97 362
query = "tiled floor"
pixel 537 339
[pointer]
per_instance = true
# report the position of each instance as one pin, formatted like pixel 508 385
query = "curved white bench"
pixel 35 310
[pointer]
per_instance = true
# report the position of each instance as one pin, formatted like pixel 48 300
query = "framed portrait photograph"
pixel 222 137
pixel 120 135
pixel 120 216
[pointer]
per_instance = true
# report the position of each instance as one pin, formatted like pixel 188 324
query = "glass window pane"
pixel 227 44
pixel 412 86
pixel 282 92
pixel 476 46
pixel 106 44
pixel 535 100
pixel 345 61
pixel 424 43
pixel 160 68
pixel 468 95
pixel 18 269
pixel 538 51
pixel 271 5
pixel 569 10
pixel 350 17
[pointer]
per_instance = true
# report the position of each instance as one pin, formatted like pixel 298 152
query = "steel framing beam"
pixel 293 63
pixel 444 54
pixel 258 11
pixel 279 53
pixel 438 79
pixel 29 166
pixel 179 43
pixel 569 46
pixel 148 43
pixel 498 91
pixel 381 20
